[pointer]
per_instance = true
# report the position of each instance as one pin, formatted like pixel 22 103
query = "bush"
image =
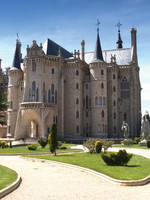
pixel 59 144
pixel 32 146
pixel 42 141
pixel 116 159
pixel 148 143
pixel 53 138
pixel 98 146
pixel 3 144
pixel 107 144
pixel 136 140
pixel 90 145
pixel 63 147
pixel 127 142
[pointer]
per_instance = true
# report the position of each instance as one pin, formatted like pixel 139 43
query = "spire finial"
pixel 119 25
pixel 18 39
pixel 98 23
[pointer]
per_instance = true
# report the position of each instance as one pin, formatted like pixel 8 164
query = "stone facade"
pixel 86 97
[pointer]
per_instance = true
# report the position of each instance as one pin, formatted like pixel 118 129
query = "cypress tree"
pixel 53 138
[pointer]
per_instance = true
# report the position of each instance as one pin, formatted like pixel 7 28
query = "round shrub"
pixel 63 147
pixel 136 140
pixel 3 144
pixel 32 146
pixel 42 141
pixel 148 144
pixel 98 146
pixel 116 159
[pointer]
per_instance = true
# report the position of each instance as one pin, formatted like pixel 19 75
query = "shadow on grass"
pixel 132 165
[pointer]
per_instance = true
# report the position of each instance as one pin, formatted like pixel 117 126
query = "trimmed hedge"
pixel 116 159
pixel 42 141
pixel 98 146
pixel 148 144
pixel 32 146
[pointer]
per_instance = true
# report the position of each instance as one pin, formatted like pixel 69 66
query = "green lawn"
pixel 135 146
pixel 137 168
pixel 24 149
pixel 7 177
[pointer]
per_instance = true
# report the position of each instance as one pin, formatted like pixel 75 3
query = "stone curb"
pixel 107 178
pixel 11 187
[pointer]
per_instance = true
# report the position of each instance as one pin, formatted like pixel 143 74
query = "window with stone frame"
pixel 52 89
pixel 114 103
pixel 104 101
pixel 55 97
pixel 77 129
pixel 52 71
pixel 102 72
pixel 96 101
pixel 77 72
pixel 100 101
pixel 77 101
pixel 114 89
pixel 102 85
pixel 77 86
pixel 49 96
pixel 37 95
pixel 99 128
pixel 114 116
pixel 87 101
pixel 11 104
pixel 77 114
pixel 114 76
pixel 33 66
pixel 103 113
pixel 86 86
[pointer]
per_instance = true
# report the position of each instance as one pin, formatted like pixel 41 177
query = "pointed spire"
pixel 98 51
pixel 16 61
pixel 119 42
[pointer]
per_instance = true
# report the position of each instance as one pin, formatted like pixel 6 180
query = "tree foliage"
pixel 53 138
pixel 3 104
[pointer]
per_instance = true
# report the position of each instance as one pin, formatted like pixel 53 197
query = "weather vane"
pixel 98 23
pixel 119 25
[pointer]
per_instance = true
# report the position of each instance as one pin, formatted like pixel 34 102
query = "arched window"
pixel 102 113
pixel 102 72
pixel 77 73
pixel 52 70
pixel 87 101
pixel 30 95
pixel 103 128
pixel 114 115
pixel 114 89
pixel 37 95
pixel 96 101
pixel 33 98
pixel 125 116
pixel 102 85
pixel 100 100
pixel 77 114
pixel 49 96
pixel 77 86
pixel 52 88
pixel 104 102
pixel 77 129
pixel 56 97
pixel 77 101
pixel 52 99
pixel 114 76
pixel 99 128
pixel 114 103
pixel 33 66
pixel 114 129
pixel 33 86
pixel 86 86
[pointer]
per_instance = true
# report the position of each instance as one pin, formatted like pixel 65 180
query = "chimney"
pixel 134 44
pixel 82 49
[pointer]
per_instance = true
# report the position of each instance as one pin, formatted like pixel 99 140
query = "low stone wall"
pixel 3 131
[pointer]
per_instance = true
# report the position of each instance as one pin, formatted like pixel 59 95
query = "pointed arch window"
pixel 55 97
pixel 114 103
pixel 33 86
pixel 77 101
pixel 96 101
pixel 114 89
pixel 52 89
pixel 114 76
pixel 87 101
pixel 49 96
pixel 114 115
pixel 86 86
pixel 77 86
pixel 100 100
pixel 102 72
pixel 103 113
pixel 52 71
pixel 77 114
pixel 77 72
pixel 52 99
pixel 77 129
pixel 102 85
pixel 33 66
pixel 37 95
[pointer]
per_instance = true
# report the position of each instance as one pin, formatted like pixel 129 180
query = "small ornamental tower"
pixel 15 75
pixel 98 71
pixel 119 42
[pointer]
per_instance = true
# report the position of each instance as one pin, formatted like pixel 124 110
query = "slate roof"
pixel 98 51
pixel 51 48
pixel 123 56
pixel 16 60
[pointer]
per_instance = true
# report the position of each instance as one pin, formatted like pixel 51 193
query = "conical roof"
pixel 119 42
pixel 98 50
pixel 16 60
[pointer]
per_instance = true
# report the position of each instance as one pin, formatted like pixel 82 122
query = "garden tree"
pixel 3 104
pixel 53 138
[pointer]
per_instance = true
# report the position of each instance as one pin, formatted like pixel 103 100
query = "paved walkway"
pixel 49 181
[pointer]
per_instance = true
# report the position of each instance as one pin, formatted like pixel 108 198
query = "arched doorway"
pixel 34 129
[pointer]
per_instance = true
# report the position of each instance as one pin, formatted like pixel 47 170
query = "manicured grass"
pixel 137 168
pixel 7 177
pixel 23 149
pixel 135 146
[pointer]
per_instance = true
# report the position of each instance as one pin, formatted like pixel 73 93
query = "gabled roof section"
pixel 16 61
pixel 52 49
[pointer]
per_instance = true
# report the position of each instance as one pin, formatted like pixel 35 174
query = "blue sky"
pixel 67 22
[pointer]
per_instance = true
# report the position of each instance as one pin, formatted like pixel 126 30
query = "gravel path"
pixel 51 181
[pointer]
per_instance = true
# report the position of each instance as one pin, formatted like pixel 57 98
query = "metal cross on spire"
pixel 18 37
pixel 98 23
pixel 119 25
